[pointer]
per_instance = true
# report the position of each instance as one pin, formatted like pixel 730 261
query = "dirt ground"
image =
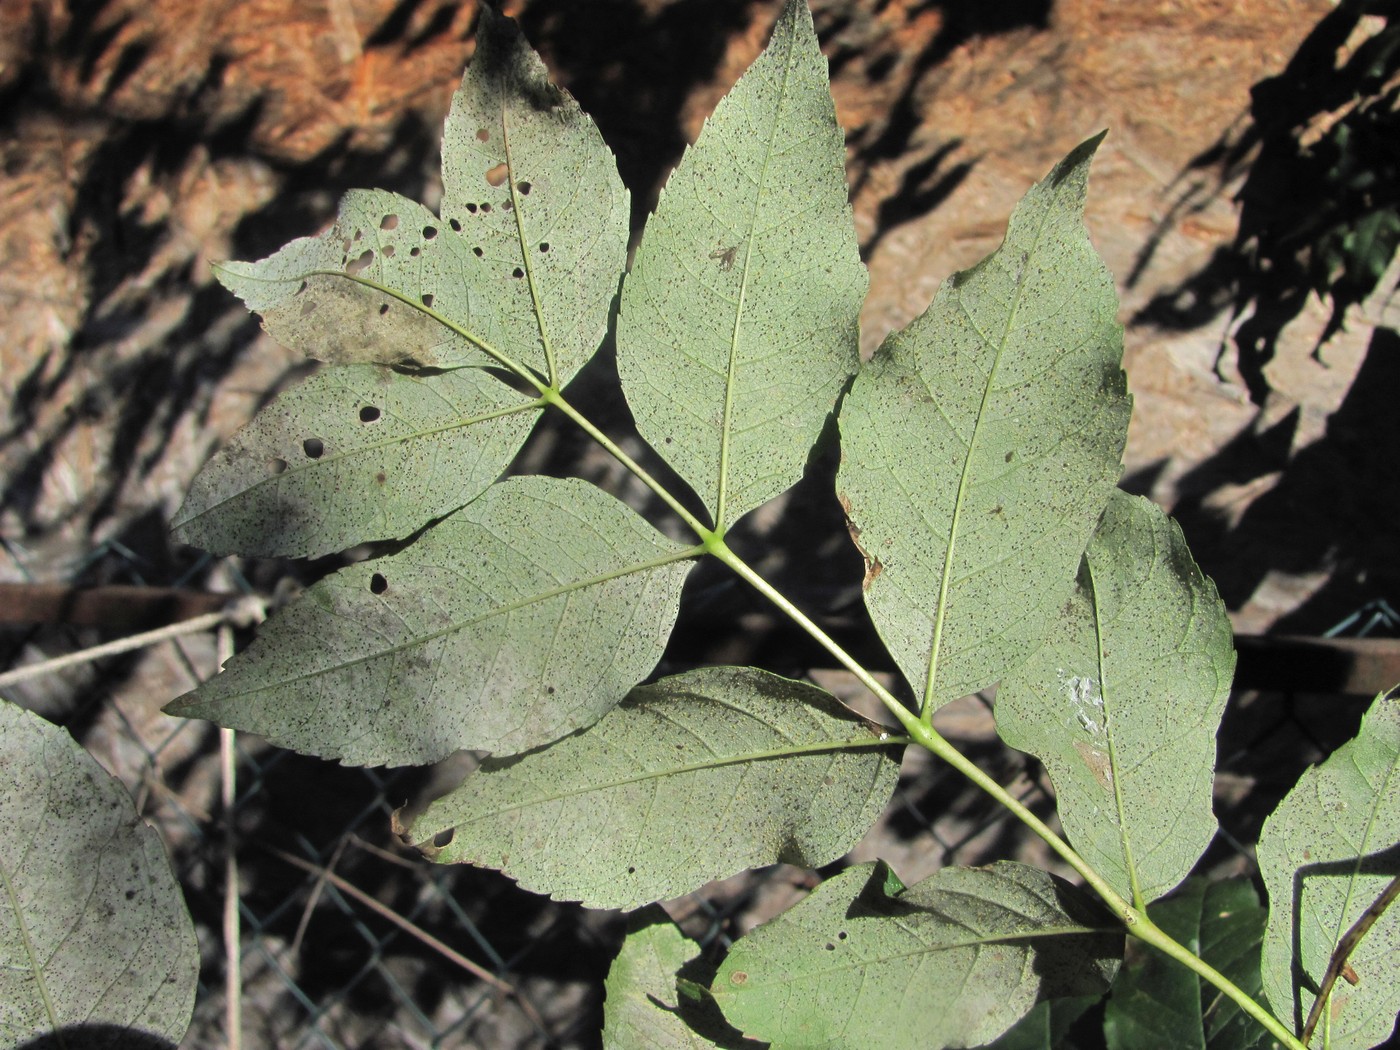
pixel 143 140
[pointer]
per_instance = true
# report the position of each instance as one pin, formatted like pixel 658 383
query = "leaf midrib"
pixel 554 592
pixel 768 754
pixel 726 425
pixel 964 477
pixel 325 461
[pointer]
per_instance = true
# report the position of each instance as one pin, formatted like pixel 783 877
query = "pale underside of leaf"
pixel 738 326
pixel 952 962
pixel 1326 854
pixel 643 1008
pixel 521 268
pixel 981 443
pixel 521 618
pixel 1123 699
pixel 691 779
pixel 536 196
pixel 352 455
pixel 93 927
pixel 518 274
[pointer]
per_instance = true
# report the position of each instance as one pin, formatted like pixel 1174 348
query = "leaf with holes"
pixel 691 779
pixel 526 615
pixel 93 927
pixel 354 454
pixel 1123 699
pixel 525 258
pixel 1327 854
pixel 738 325
pixel 975 948
pixel 516 279
pixel 981 443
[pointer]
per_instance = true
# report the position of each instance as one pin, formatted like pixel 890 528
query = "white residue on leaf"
pixel 1085 701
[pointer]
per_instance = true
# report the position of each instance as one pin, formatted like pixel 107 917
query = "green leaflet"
pixel 955 960
pixel 354 454
pixel 1326 854
pixel 519 273
pixel 738 325
pixel 1156 1001
pixel 525 257
pixel 535 191
pixel 93 927
pixel 981 443
pixel 644 1009
pixel 1123 699
pixel 1046 1025
pixel 694 778
pixel 523 617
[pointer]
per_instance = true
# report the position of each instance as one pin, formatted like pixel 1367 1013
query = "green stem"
pixel 1134 919
pixel 929 738
pixel 1150 933
pixel 922 733
pixel 707 536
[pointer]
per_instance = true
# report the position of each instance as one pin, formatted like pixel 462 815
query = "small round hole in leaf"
pixel 388 250
pixel 482 135
pixel 544 247
pixel 443 838
pixel 523 188
pixel 415 251
pixel 429 232
pixel 428 299
pixel 368 414
pixel 517 273
pixel 507 204
pixel 497 176
pixel 478 252
pixel 389 222
pixel 485 206
pixel 314 448
pixel 357 266
pixel 471 208
pixel 276 465
pixel 378 584
pixel 456 226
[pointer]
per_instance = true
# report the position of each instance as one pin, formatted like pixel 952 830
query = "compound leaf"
pixel 981 443
pixel 524 616
pixel 738 326
pixel 1326 855
pixel 1156 1001
pixel 354 454
pixel 93 927
pixel 1123 699
pixel 974 948
pixel 691 779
